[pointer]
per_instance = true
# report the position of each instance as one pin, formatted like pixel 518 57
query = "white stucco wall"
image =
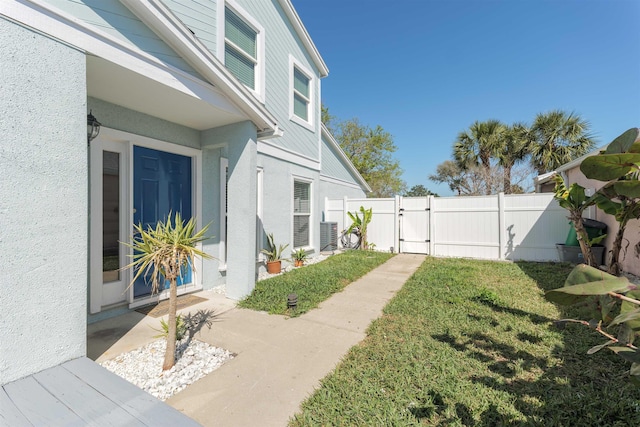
pixel 43 202
pixel 279 176
pixel 120 118
pixel 240 148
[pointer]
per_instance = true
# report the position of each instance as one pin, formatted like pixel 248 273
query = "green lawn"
pixel 313 283
pixel 472 343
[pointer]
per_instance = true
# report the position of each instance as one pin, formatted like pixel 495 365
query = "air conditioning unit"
pixel 328 236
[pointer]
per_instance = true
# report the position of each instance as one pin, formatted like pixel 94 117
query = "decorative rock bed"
pixel 143 366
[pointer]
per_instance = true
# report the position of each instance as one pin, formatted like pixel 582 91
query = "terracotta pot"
pixel 298 263
pixel 274 267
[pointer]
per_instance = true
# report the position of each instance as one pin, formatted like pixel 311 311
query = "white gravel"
pixel 143 366
pixel 308 261
pixel 194 359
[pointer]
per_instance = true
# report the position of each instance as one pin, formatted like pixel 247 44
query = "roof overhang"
pixel 304 36
pixel 172 31
pixel 121 73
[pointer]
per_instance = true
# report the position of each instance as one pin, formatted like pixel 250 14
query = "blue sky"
pixel 425 70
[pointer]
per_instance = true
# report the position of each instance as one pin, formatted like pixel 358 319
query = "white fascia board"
pixel 287 155
pixel 177 35
pixel 53 22
pixel 345 160
pixel 297 24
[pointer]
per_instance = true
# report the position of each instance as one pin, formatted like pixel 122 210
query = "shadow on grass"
pixel 576 391
pixel 500 358
pixel 564 394
pixel 535 318
pixel 463 414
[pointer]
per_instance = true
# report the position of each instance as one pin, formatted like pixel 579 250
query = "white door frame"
pixel 123 143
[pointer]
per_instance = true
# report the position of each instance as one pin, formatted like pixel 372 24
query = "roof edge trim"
pixel 330 138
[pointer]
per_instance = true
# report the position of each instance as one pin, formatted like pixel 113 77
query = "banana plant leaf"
pixel 607 167
pixel 627 353
pixel 630 189
pixel 624 142
pixel 605 203
pixel 628 307
pixel 585 281
pixel 597 348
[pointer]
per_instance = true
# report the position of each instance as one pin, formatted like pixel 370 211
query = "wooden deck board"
pixel 39 406
pixel 143 406
pixel 79 393
pixel 90 405
pixel 10 415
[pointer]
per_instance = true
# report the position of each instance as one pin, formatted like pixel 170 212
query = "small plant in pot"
pixel 299 257
pixel 274 255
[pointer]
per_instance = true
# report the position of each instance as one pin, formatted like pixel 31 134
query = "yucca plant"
pixel 160 254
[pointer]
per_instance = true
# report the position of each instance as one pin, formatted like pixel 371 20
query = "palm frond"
pixel 160 253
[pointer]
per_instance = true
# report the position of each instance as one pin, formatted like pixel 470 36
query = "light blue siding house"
pixel 207 107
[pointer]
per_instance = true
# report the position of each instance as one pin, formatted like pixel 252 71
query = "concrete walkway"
pixel 279 361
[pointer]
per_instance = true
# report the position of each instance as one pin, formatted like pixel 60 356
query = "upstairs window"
pixel 301 98
pixel 301 213
pixel 242 49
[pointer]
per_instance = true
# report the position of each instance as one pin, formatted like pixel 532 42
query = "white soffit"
pixel 120 86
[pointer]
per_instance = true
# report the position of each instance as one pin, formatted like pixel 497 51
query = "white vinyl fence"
pixel 513 227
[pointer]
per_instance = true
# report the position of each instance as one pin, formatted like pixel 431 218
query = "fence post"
pixel 396 224
pixel 345 217
pixel 501 225
pixel 432 222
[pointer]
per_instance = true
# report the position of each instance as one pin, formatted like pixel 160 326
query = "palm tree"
pixel 161 254
pixel 478 145
pixel 559 137
pixel 513 148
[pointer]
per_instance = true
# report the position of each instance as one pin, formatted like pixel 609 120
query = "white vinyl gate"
pixel 414 225
pixel 513 227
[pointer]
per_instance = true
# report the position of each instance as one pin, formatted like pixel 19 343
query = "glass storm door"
pixel 161 184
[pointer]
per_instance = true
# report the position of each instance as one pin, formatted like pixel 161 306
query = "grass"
pixel 472 343
pixel 313 284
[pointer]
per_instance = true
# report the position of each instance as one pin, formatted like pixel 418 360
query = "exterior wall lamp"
pixel 93 127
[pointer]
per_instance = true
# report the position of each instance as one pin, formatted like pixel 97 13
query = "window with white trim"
pixel 301 213
pixel 301 97
pixel 242 49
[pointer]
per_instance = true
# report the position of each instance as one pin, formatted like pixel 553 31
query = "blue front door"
pixel 161 184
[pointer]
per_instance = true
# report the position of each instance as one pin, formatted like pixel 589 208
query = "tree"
pixel 327 118
pixel 370 151
pixel 419 191
pixel 469 181
pixel 478 145
pixel 163 253
pixel 558 137
pixel 512 148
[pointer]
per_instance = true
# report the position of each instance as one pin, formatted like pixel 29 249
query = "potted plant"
pixel 299 257
pixel 274 255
